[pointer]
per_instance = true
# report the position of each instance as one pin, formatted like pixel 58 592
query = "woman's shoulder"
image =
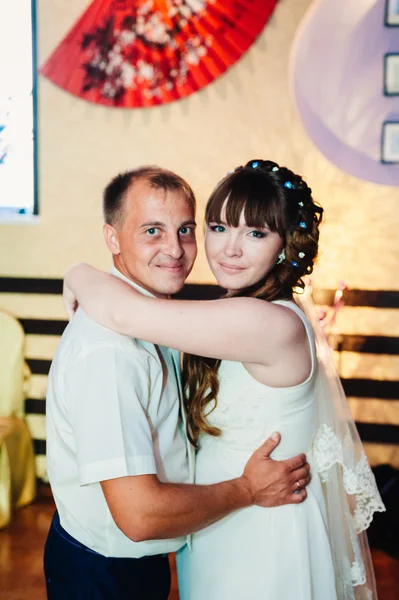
pixel 290 305
pixel 283 317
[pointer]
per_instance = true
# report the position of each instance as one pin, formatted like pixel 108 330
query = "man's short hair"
pixel 115 193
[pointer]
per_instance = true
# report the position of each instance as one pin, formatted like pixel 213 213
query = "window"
pixel 18 156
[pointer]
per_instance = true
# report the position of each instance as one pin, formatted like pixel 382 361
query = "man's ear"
pixel 111 238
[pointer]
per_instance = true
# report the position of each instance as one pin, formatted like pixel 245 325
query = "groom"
pixel 119 463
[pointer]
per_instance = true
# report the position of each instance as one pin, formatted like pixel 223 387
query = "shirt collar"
pixel 114 271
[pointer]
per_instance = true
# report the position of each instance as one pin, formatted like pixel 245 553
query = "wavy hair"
pixel 266 194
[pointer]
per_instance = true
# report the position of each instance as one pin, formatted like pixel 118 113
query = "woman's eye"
pixel 218 228
pixel 257 234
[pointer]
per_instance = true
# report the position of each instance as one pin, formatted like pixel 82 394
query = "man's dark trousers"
pixel 74 572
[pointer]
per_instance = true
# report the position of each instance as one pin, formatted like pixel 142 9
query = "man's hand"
pixel 167 510
pixel 276 482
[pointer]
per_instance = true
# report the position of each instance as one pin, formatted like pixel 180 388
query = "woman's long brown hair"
pixel 267 195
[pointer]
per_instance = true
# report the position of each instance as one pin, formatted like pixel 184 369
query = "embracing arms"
pixel 144 508
pixel 107 395
pixel 107 388
pixel 240 329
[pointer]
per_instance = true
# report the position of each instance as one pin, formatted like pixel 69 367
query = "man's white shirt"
pixel 114 409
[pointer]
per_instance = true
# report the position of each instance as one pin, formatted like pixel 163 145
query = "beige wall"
pixel 246 113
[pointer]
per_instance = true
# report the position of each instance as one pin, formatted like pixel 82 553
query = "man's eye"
pixel 152 231
pixel 185 230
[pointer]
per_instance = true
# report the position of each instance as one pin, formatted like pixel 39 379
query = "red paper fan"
pixel 142 53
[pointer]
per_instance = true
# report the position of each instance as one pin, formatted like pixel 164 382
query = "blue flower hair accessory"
pixel 289 185
pixel 302 225
pixel 255 164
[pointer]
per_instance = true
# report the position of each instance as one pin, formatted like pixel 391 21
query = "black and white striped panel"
pixel 367 343
pixel 368 361
pixel 37 303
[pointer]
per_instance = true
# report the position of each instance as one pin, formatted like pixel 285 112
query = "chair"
pixel 17 461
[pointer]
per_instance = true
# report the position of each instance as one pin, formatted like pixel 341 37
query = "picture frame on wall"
pixel 392 13
pixel 390 142
pixel 391 74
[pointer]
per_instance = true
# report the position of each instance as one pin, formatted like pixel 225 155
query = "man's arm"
pixel 114 446
pixel 144 508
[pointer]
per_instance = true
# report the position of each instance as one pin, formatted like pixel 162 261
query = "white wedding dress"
pixel 258 553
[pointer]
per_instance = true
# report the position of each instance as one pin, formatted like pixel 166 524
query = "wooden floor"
pixel 21 555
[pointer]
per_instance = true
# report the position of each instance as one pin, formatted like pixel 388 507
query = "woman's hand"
pixel 71 303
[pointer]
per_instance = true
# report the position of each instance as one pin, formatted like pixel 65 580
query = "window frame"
pixel 32 215
pixel 35 109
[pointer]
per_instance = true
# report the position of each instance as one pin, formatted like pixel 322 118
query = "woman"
pixel 252 369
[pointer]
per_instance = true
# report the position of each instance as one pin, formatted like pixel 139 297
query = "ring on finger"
pixel 298 487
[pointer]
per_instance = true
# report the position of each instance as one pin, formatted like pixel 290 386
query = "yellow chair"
pixel 17 461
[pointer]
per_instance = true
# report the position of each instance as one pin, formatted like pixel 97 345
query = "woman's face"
pixel 240 256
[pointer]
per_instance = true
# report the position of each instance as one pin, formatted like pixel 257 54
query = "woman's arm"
pixel 239 329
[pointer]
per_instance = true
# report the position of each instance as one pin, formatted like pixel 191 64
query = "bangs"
pixel 248 192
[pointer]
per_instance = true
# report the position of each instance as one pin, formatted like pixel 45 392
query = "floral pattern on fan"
pixel 142 53
pixel 116 65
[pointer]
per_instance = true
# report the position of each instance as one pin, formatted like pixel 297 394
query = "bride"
pixel 251 367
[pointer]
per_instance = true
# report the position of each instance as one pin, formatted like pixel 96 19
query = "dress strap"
pixel 308 327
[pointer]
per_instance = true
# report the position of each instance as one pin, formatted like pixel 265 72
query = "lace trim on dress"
pixel 358 573
pixel 358 479
pixel 359 482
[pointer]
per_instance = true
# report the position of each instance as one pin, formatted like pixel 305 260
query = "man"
pixel 120 465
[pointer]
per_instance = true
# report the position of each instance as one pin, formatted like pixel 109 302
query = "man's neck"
pixel 118 271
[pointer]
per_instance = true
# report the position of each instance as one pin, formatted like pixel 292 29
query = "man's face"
pixel 155 244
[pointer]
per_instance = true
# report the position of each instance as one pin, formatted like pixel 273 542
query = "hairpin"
pixel 294 263
pixel 254 164
pixel 302 225
pixel 300 203
pixel 301 255
pixel 288 185
pixel 276 168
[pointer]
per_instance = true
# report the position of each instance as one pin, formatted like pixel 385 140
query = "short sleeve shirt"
pixel 113 410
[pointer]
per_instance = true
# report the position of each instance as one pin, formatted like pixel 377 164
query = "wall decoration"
pixel 340 95
pixel 142 53
pixel 391 74
pixel 392 13
pixel 390 142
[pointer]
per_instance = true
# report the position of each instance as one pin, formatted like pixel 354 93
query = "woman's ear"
pixel 111 238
